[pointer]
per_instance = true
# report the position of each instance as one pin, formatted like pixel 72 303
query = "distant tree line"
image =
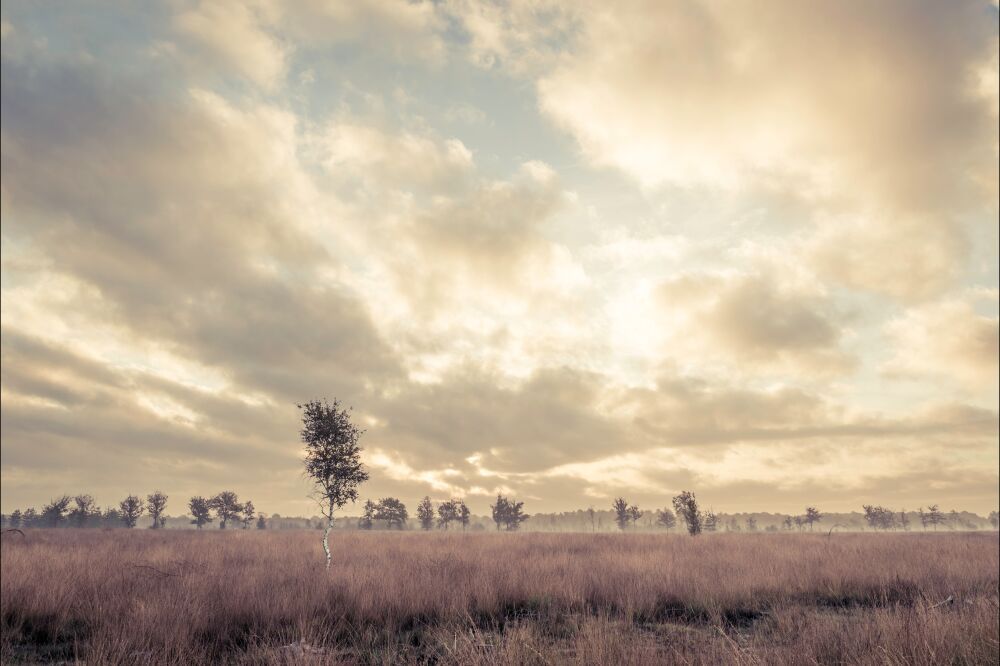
pixel 83 511
pixel 507 514
pixel 225 509
pixel 689 515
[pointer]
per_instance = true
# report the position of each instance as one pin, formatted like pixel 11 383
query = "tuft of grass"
pixel 186 597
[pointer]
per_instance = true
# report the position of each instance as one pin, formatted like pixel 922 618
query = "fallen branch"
pixel 14 530
pixel 950 600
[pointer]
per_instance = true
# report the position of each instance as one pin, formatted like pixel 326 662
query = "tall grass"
pixel 190 597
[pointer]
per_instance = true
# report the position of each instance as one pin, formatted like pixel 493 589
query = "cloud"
pixel 75 423
pixel 193 242
pixel 185 220
pixel 805 102
pixel 751 319
pixel 390 158
pixel 398 28
pixel 530 425
pixel 852 106
pixel 496 226
pixel 235 36
pixel 908 258
pixel 947 339
pixel 520 35
pixel 470 275
pixel 841 464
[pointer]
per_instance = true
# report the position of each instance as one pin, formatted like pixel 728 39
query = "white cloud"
pixel 947 340
pixel 853 108
pixel 400 29
pixel 394 158
pixel 236 35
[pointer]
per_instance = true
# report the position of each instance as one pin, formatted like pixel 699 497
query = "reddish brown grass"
pixel 183 597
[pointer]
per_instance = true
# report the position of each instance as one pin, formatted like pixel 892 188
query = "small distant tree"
pixel 686 506
pixel 156 504
pixel 922 516
pixel 904 521
pixel 227 507
pixel 15 519
pixel 515 516
pixel 799 522
pixel 30 517
pixel 83 510
pixel 751 524
pixel 332 459
pixel 590 514
pixel 954 519
pixel 261 522
pixel 879 517
pixel 812 516
pixel 500 510
pixel 634 514
pixel 130 509
pixel 111 517
pixel 54 513
pixel 447 513
pixel 508 513
pixel 622 515
pixel 934 516
pixel 666 518
pixel 248 513
pixel 425 514
pixel 463 515
pixel 368 516
pixel 201 511
pixel 711 521
pixel 787 523
pixel 392 511
pixel 994 519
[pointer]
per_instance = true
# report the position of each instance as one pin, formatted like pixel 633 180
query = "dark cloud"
pixel 549 419
pixel 751 318
pixel 169 212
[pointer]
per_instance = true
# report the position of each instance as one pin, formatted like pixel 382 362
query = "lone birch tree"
pixel 332 459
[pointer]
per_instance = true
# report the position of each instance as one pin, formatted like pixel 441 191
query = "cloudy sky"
pixel 564 250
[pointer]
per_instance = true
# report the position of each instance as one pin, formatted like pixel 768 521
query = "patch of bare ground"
pixel 248 597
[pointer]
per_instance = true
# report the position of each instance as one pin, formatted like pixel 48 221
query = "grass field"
pixel 186 597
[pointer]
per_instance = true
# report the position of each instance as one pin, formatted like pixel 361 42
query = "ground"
pixel 257 597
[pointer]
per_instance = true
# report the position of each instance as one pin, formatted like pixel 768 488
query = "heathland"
pixel 256 597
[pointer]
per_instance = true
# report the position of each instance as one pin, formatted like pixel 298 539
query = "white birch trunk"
pixel 326 542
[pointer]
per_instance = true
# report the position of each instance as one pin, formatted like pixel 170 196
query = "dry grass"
pixel 183 597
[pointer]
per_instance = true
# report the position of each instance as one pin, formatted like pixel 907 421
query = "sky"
pixel 562 250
